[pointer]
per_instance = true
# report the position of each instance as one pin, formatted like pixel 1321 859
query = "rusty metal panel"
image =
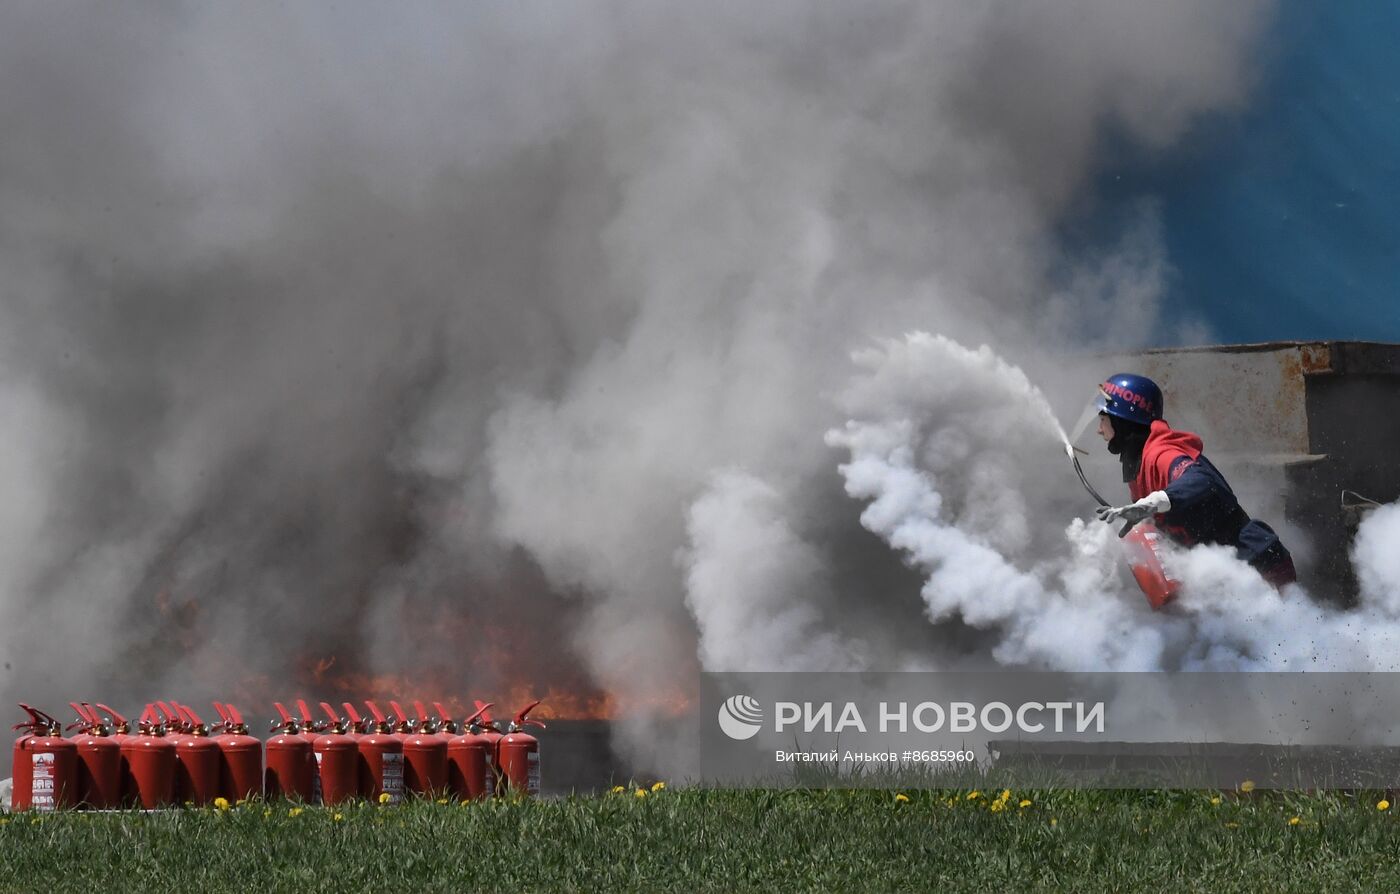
pixel 1315 358
pixel 1250 399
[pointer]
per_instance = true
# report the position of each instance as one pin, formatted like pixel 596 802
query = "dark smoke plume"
pixel 490 344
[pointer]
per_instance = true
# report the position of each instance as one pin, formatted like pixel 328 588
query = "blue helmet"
pixel 1131 397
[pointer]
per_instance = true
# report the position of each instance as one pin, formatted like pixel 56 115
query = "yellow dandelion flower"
pixel 1232 825
pixel 1215 802
pixel 385 797
pixel 221 803
pixel 1382 805
pixel 338 817
pixel 267 811
pixel 295 811
pixel 901 799
pixel 1247 786
pixel 4 822
pixel 1295 820
pixel 442 800
pixel 1025 802
pixel 463 803
pixel 1054 822
pixel 640 793
pixel 658 786
pixel 973 795
pixel 1005 795
pixel 997 806
pixel 618 789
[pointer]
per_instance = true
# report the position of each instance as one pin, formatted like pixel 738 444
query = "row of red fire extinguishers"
pixel 174 758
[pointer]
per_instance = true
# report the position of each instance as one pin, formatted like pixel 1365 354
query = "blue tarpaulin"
pixel 1282 220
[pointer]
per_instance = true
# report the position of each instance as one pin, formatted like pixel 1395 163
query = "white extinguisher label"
pixel 45 778
pixel 393 777
pixel 532 780
pixel 316 779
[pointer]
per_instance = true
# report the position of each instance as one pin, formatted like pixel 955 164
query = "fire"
pixel 556 703
pixel 458 659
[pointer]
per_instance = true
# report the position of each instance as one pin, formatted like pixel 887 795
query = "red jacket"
pixel 1161 450
pixel 1203 507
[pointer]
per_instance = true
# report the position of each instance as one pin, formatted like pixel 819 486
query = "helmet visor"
pixel 1096 405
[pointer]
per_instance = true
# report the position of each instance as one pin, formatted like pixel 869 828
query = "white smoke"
pixel 755 588
pixel 1376 555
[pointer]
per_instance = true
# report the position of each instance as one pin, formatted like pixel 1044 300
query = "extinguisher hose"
pixel 1079 470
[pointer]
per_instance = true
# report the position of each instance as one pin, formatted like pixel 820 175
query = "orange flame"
pixel 555 703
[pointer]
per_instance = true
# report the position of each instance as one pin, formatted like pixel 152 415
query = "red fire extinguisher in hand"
pixel 1145 546
pixel 518 754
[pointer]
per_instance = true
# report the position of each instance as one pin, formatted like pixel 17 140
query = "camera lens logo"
pixel 740 717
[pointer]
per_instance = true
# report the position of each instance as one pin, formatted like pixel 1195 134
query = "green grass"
pixel 764 840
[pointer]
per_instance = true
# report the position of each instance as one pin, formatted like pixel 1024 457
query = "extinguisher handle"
pixel 150 721
pixel 282 710
pixel 192 716
pixel 86 720
pixel 305 713
pixel 520 717
pixel 375 712
pixel 119 719
pixel 352 714
pixel 35 720
pixel 47 719
pixel 481 714
pixel 223 715
pixel 234 714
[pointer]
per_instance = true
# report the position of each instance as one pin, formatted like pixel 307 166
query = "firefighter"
pixel 1172 481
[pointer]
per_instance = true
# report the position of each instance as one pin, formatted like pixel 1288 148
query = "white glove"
pixel 1130 515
